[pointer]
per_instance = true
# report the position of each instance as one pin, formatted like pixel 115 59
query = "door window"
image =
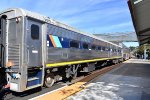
pixel 34 32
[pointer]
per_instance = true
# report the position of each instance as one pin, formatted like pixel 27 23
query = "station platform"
pixel 129 81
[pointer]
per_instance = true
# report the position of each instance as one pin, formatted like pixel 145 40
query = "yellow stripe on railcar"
pixel 78 62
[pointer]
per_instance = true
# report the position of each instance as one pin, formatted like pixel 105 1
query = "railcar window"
pixel 85 46
pixel 96 48
pixel 113 50
pixel 99 48
pixel 103 48
pixel 107 49
pixel 74 44
pixel 93 47
pixel 35 31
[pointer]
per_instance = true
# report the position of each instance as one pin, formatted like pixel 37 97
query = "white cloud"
pixel 98 15
pixel 121 27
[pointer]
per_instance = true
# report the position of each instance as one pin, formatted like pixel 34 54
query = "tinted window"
pixel 85 46
pixel 34 31
pixel 93 47
pixel 74 44
pixel 106 49
pixel 99 48
pixel 103 48
pixel 113 50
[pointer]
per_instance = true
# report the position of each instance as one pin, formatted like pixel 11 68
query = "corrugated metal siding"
pixel 14 55
pixel 14 40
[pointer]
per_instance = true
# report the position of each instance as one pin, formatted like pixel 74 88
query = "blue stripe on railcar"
pixel 64 42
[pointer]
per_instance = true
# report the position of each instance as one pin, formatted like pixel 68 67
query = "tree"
pixel 132 48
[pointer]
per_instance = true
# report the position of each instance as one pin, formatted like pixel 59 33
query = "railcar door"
pixel 34 43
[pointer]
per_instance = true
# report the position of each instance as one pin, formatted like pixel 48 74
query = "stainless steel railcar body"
pixel 37 47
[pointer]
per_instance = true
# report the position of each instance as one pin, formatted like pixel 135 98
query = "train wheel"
pixel 49 80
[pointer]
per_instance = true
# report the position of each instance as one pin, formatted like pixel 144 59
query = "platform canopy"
pixel 118 36
pixel 140 13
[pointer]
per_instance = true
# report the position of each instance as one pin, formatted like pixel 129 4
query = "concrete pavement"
pixel 130 81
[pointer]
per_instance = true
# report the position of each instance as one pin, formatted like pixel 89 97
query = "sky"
pixel 92 16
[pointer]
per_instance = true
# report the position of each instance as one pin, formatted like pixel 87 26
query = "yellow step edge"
pixel 62 94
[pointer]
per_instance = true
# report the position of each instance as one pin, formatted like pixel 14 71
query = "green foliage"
pixel 140 50
pixel 132 48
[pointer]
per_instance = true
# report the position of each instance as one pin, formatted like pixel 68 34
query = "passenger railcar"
pixel 126 53
pixel 36 50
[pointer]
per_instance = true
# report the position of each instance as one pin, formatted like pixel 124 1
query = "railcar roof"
pixel 23 12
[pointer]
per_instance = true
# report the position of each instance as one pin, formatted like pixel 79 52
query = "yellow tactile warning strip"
pixel 64 93
pixel 78 62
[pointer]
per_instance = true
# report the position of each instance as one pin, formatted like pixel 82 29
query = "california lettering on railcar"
pixel 36 50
